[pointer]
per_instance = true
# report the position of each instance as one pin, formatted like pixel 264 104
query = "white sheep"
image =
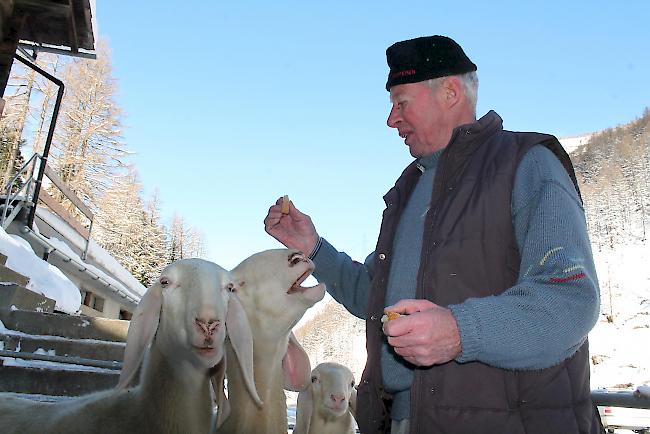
pixel 328 405
pixel 268 285
pixel 177 335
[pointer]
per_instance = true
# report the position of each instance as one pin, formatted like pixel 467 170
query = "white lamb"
pixel 268 285
pixel 328 405
pixel 177 334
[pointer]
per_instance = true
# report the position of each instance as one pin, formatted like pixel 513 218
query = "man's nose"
pixel 393 118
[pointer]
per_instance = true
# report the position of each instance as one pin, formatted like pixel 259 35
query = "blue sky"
pixel 230 105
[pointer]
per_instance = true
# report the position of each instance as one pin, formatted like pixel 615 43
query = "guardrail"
pixel 31 191
pixel 22 197
pixel 639 398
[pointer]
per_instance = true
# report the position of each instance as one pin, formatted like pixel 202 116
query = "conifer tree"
pixel 88 146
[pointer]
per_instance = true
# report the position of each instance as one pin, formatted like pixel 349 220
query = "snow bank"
pixel 619 347
pixel 44 278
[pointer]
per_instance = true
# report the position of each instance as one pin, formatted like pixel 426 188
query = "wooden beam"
pixel 68 193
pixel 63 213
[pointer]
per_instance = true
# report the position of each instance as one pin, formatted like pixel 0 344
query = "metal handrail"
pixel 50 132
pixel 5 219
pixel 639 398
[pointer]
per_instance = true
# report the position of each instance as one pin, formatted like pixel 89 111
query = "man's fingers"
pixel 408 339
pixel 397 327
pixel 409 306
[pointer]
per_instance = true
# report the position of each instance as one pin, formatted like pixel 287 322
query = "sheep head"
pixel 187 312
pixel 332 387
pixel 195 301
pixel 330 397
pixel 269 285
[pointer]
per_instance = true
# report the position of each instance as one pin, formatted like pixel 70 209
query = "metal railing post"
pixel 50 133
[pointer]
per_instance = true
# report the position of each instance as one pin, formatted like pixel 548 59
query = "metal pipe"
pixel 84 255
pixel 620 399
pixel 50 133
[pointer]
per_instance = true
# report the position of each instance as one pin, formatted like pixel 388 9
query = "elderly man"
pixel 483 249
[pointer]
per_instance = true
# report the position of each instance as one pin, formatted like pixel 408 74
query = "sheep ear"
pixel 296 366
pixel 241 338
pixel 142 330
pixel 218 386
pixel 304 410
pixel 353 403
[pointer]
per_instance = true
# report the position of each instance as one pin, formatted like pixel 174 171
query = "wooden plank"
pixel 68 193
pixel 63 213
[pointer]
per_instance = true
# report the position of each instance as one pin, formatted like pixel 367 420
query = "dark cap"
pixel 424 58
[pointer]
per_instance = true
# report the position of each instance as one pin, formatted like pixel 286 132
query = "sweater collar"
pixel 429 161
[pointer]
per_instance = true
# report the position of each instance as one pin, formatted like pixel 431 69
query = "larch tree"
pixel 46 92
pixel 12 124
pixel 89 155
pixel 88 148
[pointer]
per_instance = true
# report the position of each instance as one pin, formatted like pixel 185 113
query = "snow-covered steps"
pixel 59 346
pixel 16 296
pixel 68 326
pixel 58 354
pixel 10 276
pixel 46 380
pixel 14 292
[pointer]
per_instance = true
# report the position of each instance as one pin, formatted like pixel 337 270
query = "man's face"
pixel 421 117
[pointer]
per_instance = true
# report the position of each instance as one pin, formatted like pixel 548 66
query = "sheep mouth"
pixel 338 409
pixel 206 351
pixel 296 287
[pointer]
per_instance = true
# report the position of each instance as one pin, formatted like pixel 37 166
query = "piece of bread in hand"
pixel 390 315
pixel 285 204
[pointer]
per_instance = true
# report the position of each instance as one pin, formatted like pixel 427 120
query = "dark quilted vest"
pixel 470 250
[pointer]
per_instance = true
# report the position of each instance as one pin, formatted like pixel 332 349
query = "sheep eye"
pixel 314 379
pixel 164 282
pixel 231 288
pixel 296 258
pixel 352 384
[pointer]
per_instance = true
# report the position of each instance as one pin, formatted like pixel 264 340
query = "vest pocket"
pixel 472 385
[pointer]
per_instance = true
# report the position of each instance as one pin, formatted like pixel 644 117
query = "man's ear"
pixel 452 89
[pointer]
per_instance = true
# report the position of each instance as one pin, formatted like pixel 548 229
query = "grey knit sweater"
pixel 535 324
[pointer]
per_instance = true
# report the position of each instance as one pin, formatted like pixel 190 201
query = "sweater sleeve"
pixel 347 281
pixel 547 314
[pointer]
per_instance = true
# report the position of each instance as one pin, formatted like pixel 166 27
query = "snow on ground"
pixel 572 143
pixel 620 349
pixel 44 278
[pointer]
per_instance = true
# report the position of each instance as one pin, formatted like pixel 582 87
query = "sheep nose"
pixel 207 327
pixel 337 399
